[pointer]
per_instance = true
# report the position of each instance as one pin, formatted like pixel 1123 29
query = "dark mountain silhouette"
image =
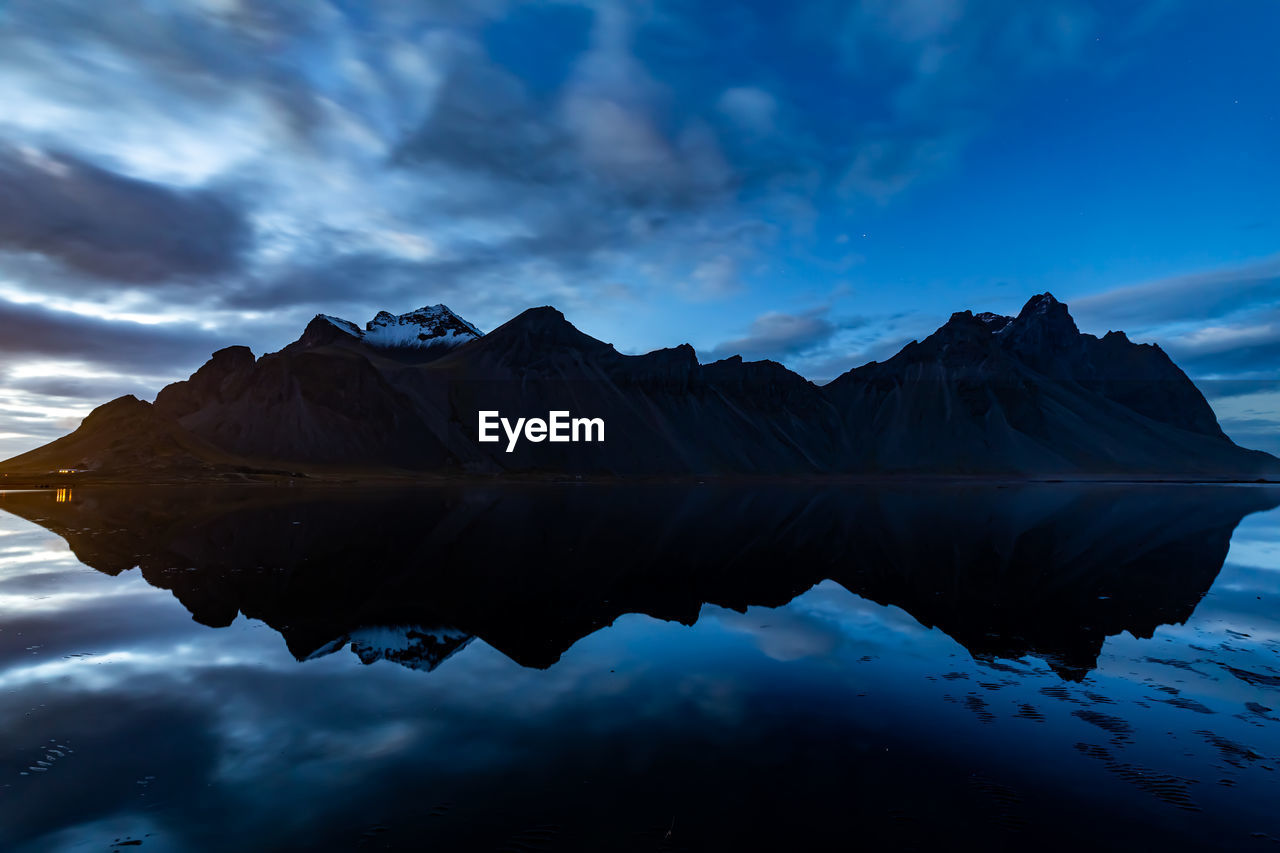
pixel 128 434
pixel 411 575
pixel 984 395
pixel 1031 394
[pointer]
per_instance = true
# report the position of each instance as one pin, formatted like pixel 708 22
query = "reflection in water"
pixel 1007 572
pixel 914 666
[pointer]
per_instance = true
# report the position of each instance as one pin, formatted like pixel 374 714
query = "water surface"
pixel 640 668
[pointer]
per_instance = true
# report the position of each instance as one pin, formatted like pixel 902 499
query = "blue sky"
pixel 816 182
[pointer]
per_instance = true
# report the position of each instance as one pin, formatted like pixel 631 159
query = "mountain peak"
pixel 1044 308
pixel 429 326
pixel 432 317
pixel 233 357
pixel 962 325
pixel 543 315
pixel 125 406
pixel 1045 299
pixel 1043 334
pixel 546 323
pixel 994 322
pixel 537 333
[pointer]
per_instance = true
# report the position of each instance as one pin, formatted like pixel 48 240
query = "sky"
pixel 813 182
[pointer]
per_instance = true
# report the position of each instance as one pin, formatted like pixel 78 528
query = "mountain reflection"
pixel 412 575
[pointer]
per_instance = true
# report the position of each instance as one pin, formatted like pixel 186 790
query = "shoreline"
pixel 327 481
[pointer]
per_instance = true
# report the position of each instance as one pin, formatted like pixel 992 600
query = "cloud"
pixel 112 226
pixel 94 391
pixel 886 166
pixel 59 365
pixel 483 122
pixel 592 171
pixel 1247 411
pixel 818 346
pixel 1256 357
pixel 1217 325
pixel 1197 297
pixel 751 109
pixel 1226 388
pixel 395 140
pixel 1246 346
pixel 779 336
pixel 713 278
pixel 29 331
pixel 935 70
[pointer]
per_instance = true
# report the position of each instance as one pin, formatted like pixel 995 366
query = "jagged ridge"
pixel 429 326
pixel 984 394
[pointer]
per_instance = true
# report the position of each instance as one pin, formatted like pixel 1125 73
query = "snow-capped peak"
pixel 413 646
pixel 432 325
pixel 345 325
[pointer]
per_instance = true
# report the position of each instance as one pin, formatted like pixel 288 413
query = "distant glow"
pixel 19 407
pixel 72 369
pixel 97 310
pixel 152 143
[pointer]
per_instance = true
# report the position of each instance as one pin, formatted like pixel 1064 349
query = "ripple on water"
pixel 1119 729
pixel 541 837
pixel 1231 752
pixel 51 753
pixel 1004 801
pixel 1189 705
pixel 978 706
pixel 1029 712
pixel 1174 790
pixel 1256 679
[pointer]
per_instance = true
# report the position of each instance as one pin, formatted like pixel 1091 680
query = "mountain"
pixel 989 393
pixel 984 395
pixel 431 327
pixel 128 436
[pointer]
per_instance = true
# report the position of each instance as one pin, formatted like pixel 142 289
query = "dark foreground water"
pixel 642 668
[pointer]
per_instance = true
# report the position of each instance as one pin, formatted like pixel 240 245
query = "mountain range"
pixel 985 395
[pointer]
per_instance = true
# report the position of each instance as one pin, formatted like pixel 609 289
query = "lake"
pixel 641 667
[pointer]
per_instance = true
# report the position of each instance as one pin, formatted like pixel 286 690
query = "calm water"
pixel 641 668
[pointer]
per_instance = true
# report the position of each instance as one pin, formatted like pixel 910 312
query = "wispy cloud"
pixel 114 227
pixel 1200 297
pixel 33 331
pixel 1219 325
pixel 776 335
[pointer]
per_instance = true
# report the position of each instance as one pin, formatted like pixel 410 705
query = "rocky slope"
pixel 989 393
pixel 984 395
pixel 129 437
